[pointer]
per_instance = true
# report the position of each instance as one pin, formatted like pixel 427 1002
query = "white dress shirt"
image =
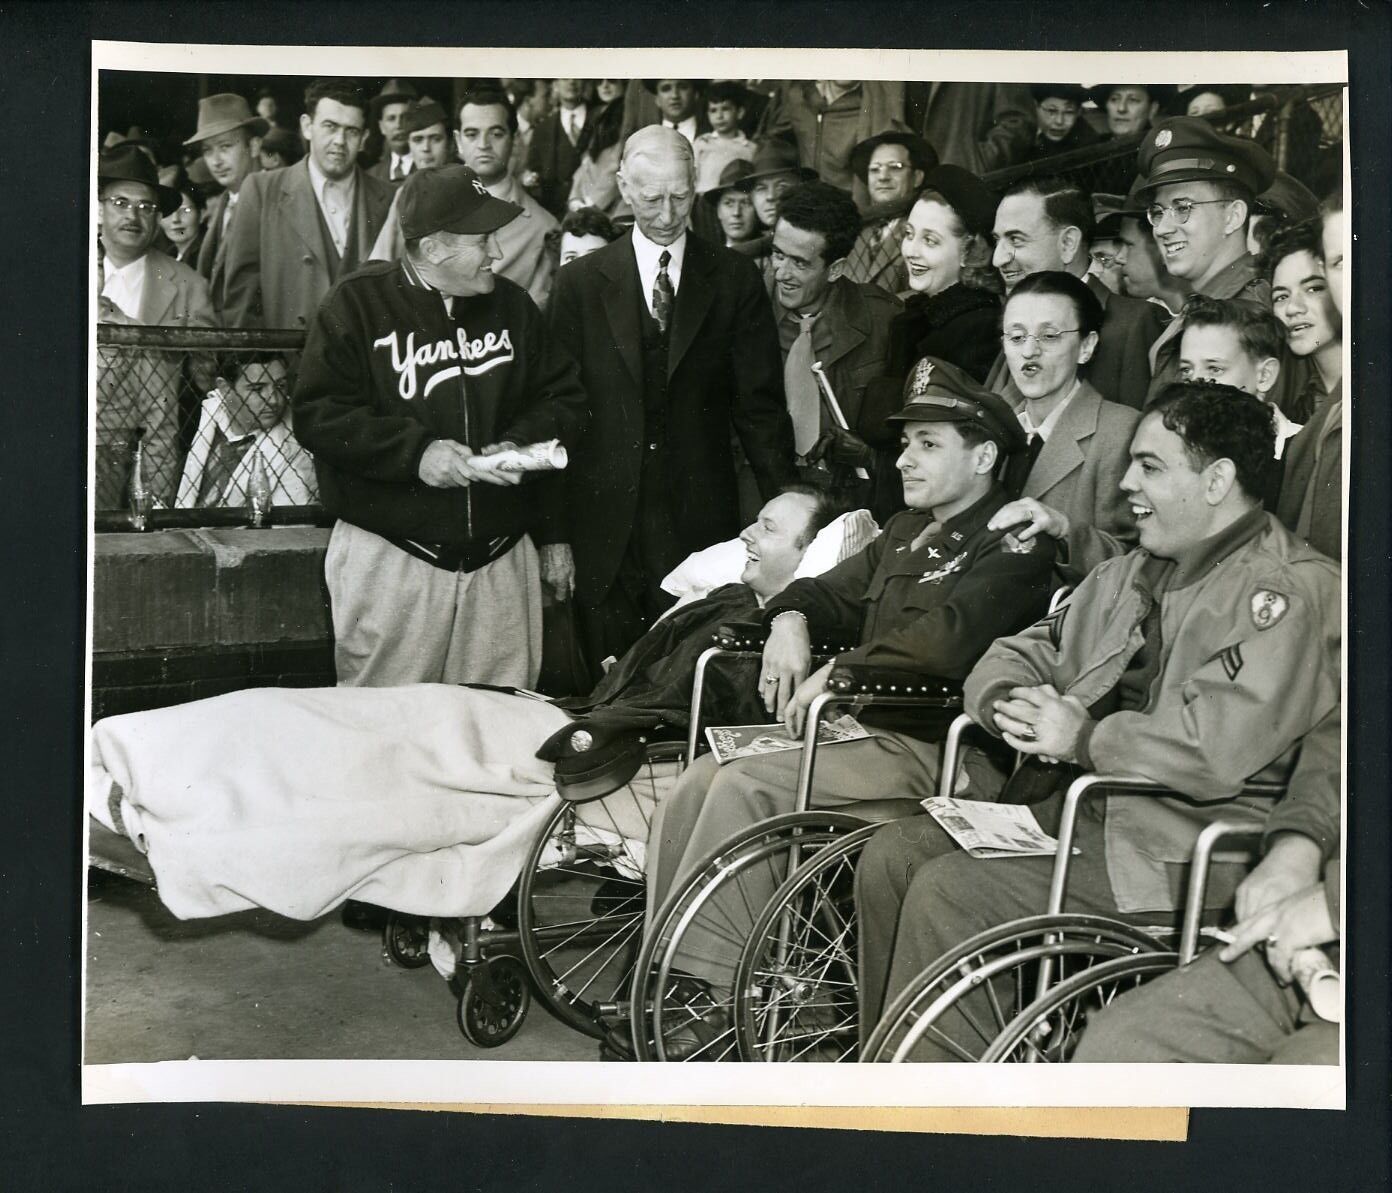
pixel 573 121
pixel 687 128
pixel 647 254
pixel 1046 428
pixel 335 197
pixel 400 165
pixel 124 287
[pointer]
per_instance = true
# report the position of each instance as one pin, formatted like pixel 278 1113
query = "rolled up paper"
pixel 1315 974
pixel 549 456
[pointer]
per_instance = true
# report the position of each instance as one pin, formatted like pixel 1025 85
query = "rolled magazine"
pixel 549 456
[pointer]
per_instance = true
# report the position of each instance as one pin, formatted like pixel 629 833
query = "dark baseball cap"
pixel 450 199
pixel 423 114
pixel 939 392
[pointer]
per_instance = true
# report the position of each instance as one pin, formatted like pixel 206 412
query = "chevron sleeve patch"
pixel 1230 657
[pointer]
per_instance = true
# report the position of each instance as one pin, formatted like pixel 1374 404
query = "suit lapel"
pixel 301 209
pixel 845 318
pixel 621 268
pixel 1064 452
pixel 693 300
pixel 158 295
pixel 371 211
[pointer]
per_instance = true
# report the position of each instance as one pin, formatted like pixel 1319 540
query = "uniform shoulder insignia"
pixel 1268 607
pixel 1054 623
pixel 1231 659
pixel 1016 546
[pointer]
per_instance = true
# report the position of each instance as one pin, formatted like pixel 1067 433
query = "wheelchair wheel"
pixel 406 940
pixel 965 999
pixel 711 913
pixel 796 988
pixel 1048 1030
pixel 580 911
pixel 493 1000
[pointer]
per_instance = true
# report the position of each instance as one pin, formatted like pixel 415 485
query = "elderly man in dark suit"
pixel 1046 223
pixel 676 343
pixel 300 229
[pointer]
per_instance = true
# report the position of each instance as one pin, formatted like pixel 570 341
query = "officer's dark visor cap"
pixel 938 392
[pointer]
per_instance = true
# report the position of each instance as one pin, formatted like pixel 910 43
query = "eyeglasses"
pixel 887 167
pixel 1106 260
pixel 1045 339
pixel 141 206
pixel 1181 209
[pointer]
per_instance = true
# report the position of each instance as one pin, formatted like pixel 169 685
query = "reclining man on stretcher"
pixel 407 797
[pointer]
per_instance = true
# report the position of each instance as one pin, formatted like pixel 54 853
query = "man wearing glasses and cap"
pixel 137 391
pixel 1198 194
pixel 931 594
pixel 412 370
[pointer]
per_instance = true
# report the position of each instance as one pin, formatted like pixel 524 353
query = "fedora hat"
pixel 218 114
pixel 127 163
pixel 135 135
pixel 775 156
pixel 394 91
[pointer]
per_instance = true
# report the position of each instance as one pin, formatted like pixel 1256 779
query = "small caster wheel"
pixel 493 1000
pixel 406 940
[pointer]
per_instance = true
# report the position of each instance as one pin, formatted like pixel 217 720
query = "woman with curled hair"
pixel 952 309
pixel 583 230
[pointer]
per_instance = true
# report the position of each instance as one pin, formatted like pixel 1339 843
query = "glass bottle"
pixel 141 499
pixel 258 490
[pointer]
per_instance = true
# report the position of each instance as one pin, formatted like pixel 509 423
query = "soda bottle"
pixel 258 490
pixel 141 499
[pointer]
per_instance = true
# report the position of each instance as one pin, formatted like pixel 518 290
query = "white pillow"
pixel 703 571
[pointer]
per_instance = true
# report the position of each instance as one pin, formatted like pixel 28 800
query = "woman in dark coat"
pixel 952 310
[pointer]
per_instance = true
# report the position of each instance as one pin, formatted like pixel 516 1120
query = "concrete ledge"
pixel 185 589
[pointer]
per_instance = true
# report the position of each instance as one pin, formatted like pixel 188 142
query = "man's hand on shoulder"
pixel 1036 517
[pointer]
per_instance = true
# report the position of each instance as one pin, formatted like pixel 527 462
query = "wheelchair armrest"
pixel 751 636
pixel 861 679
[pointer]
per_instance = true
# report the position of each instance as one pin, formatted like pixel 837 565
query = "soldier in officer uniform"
pixel 931 593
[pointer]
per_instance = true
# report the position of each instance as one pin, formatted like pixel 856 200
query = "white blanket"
pixel 423 798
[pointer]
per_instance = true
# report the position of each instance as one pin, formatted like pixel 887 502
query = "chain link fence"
pixel 198 421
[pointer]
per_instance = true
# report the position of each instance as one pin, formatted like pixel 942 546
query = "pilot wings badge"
pixel 938 575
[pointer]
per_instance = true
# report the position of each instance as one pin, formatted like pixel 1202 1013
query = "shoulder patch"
pixel 1231 659
pixel 1268 607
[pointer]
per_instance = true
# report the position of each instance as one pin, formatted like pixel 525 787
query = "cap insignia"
pixel 922 378
pixel 581 740
pixel 1162 138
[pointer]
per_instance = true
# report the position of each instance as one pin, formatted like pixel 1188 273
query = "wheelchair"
pixel 1022 991
pixel 795 993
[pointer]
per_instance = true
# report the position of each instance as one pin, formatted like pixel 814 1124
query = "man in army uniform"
pixel 931 593
pixel 1198 190
pixel 1199 660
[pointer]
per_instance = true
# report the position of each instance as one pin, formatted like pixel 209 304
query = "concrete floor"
pixel 258 986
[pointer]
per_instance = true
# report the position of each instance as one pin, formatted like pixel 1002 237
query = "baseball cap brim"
pixel 490 215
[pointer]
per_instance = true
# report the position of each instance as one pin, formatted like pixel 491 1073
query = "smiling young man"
pixel 411 370
pixel 929 594
pixel 1198 660
pixel 299 229
pixel 825 318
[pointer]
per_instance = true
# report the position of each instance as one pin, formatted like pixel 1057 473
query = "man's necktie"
pixel 800 389
pixel 398 170
pixel 571 131
pixel 663 294
pixel 1017 467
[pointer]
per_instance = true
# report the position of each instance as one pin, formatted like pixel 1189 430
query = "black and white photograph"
pixel 467 453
